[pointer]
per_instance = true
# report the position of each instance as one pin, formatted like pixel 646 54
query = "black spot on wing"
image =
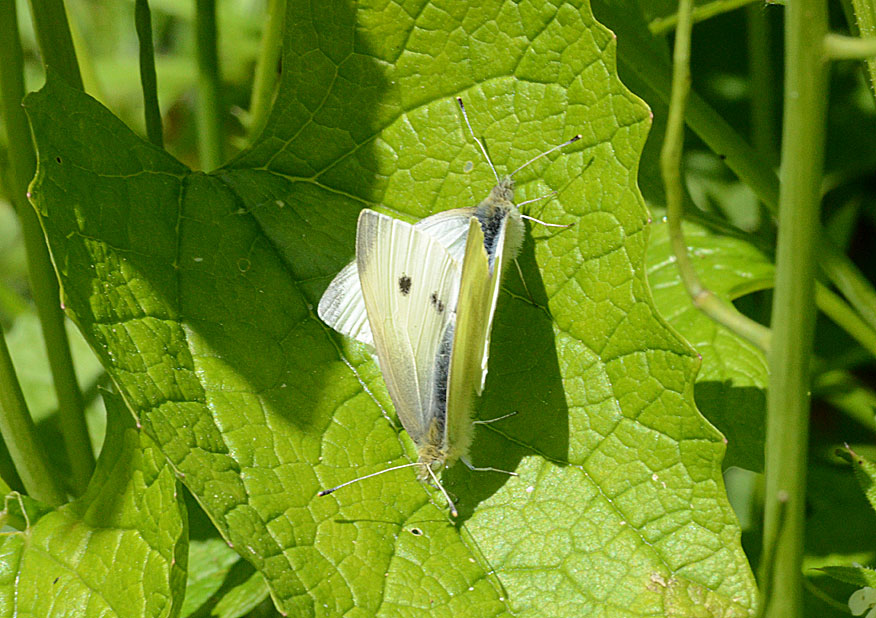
pixel 404 285
pixel 437 302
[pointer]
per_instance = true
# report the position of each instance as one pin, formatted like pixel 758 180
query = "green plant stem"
pixel 841 47
pixel 845 317
pixel 865 21
pixel 670 164
pixel 56 44
pixel 44 284
pixel 266 74
pixel 208 100
pixel 20 435
pixel 848 395
pixel 793 315
pixel 148 79
pixel 848 280
pixel 663 25
pixel 760 67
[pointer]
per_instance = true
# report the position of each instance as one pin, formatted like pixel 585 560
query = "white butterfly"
pixel 423 296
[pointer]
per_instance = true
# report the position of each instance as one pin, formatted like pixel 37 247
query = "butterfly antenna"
pixel 326 492
pixel 453 510
pixel 477 141
pixel 546 153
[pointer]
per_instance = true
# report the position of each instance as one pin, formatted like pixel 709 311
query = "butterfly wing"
pixel 342 306
pixel 470 343
pixel 409 287
pixel 482 273
pixel 449 228
pixel 506 247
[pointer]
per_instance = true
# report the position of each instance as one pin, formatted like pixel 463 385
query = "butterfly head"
pixel 503 191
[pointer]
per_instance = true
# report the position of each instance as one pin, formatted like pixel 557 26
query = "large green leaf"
pixel 119 550
pixel 198 291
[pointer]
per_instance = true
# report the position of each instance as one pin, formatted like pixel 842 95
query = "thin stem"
pixel 865 22
pixel 20 435
pixel 662 25
pixel 44 284
pixel 848 280
pixel 762 104
pixel 266 74
pixel 53 35
pixel 848 395
pixel 793 314
pixel 670 164
pixel 209 105
pixel 841 47
pixel 845 317
pixel 148 79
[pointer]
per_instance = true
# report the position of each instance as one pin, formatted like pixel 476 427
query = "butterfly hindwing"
pixel 409 285
pixel 450 229
pixel 343 308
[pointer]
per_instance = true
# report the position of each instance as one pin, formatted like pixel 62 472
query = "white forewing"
pixel 409 286
pixel 342 306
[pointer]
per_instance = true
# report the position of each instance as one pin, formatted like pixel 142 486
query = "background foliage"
pixel 195 296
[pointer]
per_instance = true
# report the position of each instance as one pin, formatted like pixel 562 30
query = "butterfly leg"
pixel 473 468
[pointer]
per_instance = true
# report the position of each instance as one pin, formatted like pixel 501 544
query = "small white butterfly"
pixel 423 297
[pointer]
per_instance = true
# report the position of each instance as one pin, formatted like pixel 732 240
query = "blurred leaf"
pixel 198 292
pixel 244 597
pixel 731 384
pixel 28 350
pixel 849 394
pixel 840 524
pixel 713 188
pixel 865 472
pixel 857 576
pixel 210 561
pixel 118 550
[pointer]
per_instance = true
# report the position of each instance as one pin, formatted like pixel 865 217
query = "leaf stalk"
pixel 266 75
pixel 208 106
pixel 148 78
